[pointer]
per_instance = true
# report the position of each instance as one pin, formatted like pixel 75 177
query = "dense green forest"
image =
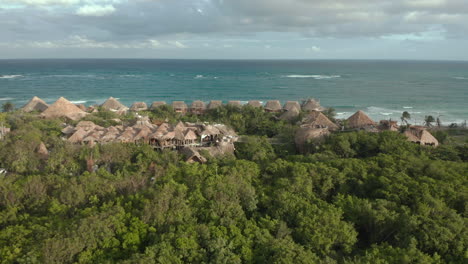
pixel 357 197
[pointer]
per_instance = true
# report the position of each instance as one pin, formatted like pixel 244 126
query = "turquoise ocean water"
pixel 383 89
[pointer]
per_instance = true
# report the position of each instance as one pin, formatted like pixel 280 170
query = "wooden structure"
pixel 273 106
pixel 421 136
pixel 361 121
pixel 214 104
pixel 35 104
pixel 139 106
pixel 197 107
pixel 179 107
pixel 63 108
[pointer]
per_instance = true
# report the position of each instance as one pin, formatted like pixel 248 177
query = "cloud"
pixel 313 49
pixel 178 44
pixel 95 10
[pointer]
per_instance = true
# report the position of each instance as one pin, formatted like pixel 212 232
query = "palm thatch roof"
pixel 35 104
pixel 420 136
pixel 234 103
pixel 157 104
pixel 86 125
pixel 63 108
pixel 82 107
pixel 290 114
pixel 273 106
pixel 318 120
pixel 306 134
pixel 210 131
pixel 388 125
pixel 144 133
pixel 255 103
pixel 192 155
pixel 190 135
pixel 198 105
pixel 68 130
pixel 214 104
pixel 78 136
pixel 179 105
pixel 113 104
pixel 360 120
pixel 311 105
pixel 139 106
pixel 292 104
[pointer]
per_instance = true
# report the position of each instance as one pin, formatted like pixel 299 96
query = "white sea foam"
pixel 79 102
pixel 199 76
pixel 6 98
pixel 10 76
pixel 407 107
pixel 460 78
pixel 314 76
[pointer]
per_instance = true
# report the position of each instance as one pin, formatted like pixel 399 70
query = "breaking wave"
pixel 10 76
pixel 314 76
pixel 6 98
pixel 460 78
pixel 79 102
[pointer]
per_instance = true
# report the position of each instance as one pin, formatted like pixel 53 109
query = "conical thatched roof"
pixel 290 114
pixel 63 108
pixel 273 106
pixel 214 104
pixel 359 120
pixel 143 134
pixel 113 104
pixel 35 104
pixel 157 104
pixel 198 104
pixel 311 105
pixel 190 135
pixel 305 134
pixel 421 136
pixel 68 130
pixel 255 103
pixel 86 125
pixel 318 120
pixel 139 106
pixel 82 107
pixel 179 105
pixel 192 155
pixel 234 103
pixel 78 136
pixel 292 104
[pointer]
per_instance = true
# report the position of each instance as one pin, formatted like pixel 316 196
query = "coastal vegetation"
pixel 351 197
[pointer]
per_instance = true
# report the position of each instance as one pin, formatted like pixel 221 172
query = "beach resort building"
pixel 197 108
pixel 138 106
pixel 273 106
pixel 63 108
pixel 114 105
pixel 180 107
pixel 36 104
pixel 157 104
pixel 421 136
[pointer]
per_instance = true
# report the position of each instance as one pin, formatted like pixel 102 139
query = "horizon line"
pixel 245 59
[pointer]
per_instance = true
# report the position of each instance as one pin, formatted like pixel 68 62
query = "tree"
pixel 8 107
pixel 404 117
pixel 428 120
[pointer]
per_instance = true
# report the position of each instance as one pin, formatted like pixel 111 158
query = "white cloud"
pixel 177 44
pixel 313 49
pixel 43 2
pixel 95 10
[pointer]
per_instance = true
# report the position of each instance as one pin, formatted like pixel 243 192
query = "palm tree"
pixel 404 117
pixel 8 107
pixel 428 120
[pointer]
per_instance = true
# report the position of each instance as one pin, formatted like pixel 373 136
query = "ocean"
pixel 383 89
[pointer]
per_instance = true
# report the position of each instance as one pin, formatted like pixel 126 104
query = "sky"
pixel 235 29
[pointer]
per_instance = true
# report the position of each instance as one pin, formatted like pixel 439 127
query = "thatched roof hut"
pixel 421 136
pixel 235 103
pixel 139 106
pixel 214 104
pixel 311 105
pixel 157 104
pixel 290 114
pixel 198 107
pixel 78 136
pixel 35 104
pixel 292 104
pixel 127 136
pixel 306 134
pixel 68 130
pixel 63 108
pixel 255 103
pixel 190 135
pixel 193 156
pixel 82 107
pixel 114 105
pixel 388 125
pixel 179 106
pixel 86 125
pixel 318 120
pixel 360 120
pixel 273 106
pixel 144 134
